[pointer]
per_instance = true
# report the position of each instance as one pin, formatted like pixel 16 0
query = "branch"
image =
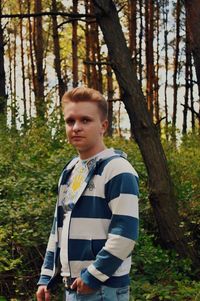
pixel 191 109
pixel 77 19
pixel 64 14
pixel 97 63
pixel 159 121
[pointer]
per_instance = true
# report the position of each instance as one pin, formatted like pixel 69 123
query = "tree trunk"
pixel 193 17
pixel 39 54
pixel 165 20
pixel 161 189
pixel 30 39
pixel 93 53
pixel 110 98
pixel 132 5
pixel 156 77
pixel 150 74
pixel 75 46
pixel 14 112
pixel 187 75
pixel 140 67
pixel 56 48
pixel 87 66
pixel 192 95
pixel 176 62
pixel 23 66
pixel 3 97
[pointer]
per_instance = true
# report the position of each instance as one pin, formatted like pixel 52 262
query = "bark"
pixel 192 95
pixel 132 4
pixel 187 75
pixel 39 54
pixel 75 46
pixel 110 99
pixel 3 97
pixel 156 78
pixel 99 66
pixel 176 63
pixel 56 48
pixel 193 18
pixel 30 38
pixel 140 67
pixel 150 73
pixel 87 77
pixel 161 189
pixel 93 50
pixel 165 20
pixel 14 100
pixel 23 65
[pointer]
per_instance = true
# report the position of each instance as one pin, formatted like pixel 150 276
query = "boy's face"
pixel 85 127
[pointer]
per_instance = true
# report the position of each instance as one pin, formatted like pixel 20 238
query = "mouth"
pixel 77 137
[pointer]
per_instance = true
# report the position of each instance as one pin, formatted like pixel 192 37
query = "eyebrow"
pixel 81 117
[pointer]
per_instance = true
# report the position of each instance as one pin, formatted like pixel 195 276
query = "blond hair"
pixel 80 94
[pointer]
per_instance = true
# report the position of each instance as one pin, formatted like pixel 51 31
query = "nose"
pixel 77 126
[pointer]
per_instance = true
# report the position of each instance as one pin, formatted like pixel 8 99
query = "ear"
pixel 104 126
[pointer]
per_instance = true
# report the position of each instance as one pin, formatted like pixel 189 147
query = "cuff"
pixel 90 280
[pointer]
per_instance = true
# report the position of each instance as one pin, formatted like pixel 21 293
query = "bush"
pixel 30 165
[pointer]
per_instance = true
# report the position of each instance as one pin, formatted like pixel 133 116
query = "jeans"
pixel 105 293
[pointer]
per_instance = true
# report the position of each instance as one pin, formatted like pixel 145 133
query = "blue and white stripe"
pixel 103 225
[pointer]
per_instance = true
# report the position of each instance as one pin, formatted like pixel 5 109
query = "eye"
pixel 85 120
pixel 70 121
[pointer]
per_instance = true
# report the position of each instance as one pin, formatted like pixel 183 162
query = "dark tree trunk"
pixel 132 5
pixel 23 65
pixel 110 98
pixel 165 20
pixel 150 73
pixel 30 40
pixel 93 53
pixel 3 97
pixel 156 78
pixel 56 48
pixel 39 54
pixel 87 66
pixel 140 66
pixel 192 95
pixel 161 189
pixel 187 79
pixel 14 98
pixel 176 63
pixel 75 46
pixel 193 18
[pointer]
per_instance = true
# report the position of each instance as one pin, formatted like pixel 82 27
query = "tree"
pixel 2 74
pixel 193 18
pixel 193 15
pixel 75 46
pixel 39 54
pixel 176 63
pixel 150 72
pixel 23 65
pixel 56 48
pixel 161 192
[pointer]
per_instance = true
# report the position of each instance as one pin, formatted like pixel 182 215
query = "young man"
pixel 96 218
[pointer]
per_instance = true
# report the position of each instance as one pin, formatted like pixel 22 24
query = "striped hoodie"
pixel 103 224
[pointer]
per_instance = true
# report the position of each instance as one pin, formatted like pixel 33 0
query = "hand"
pixel 43 294
pixel 81 287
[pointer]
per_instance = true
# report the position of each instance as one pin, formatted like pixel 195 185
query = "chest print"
pixel 91 185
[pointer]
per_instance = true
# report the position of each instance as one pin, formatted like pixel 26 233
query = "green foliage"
pixel 159 274
pixel 30 165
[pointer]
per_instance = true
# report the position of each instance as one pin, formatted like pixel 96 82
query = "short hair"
pixel 80 94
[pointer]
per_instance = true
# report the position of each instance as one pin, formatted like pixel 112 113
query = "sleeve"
pixel 48 264
pixel 121 191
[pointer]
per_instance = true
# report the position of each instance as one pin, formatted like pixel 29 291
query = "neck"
pixel 84 156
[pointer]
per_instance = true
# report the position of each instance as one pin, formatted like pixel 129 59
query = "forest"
pixel 144 57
